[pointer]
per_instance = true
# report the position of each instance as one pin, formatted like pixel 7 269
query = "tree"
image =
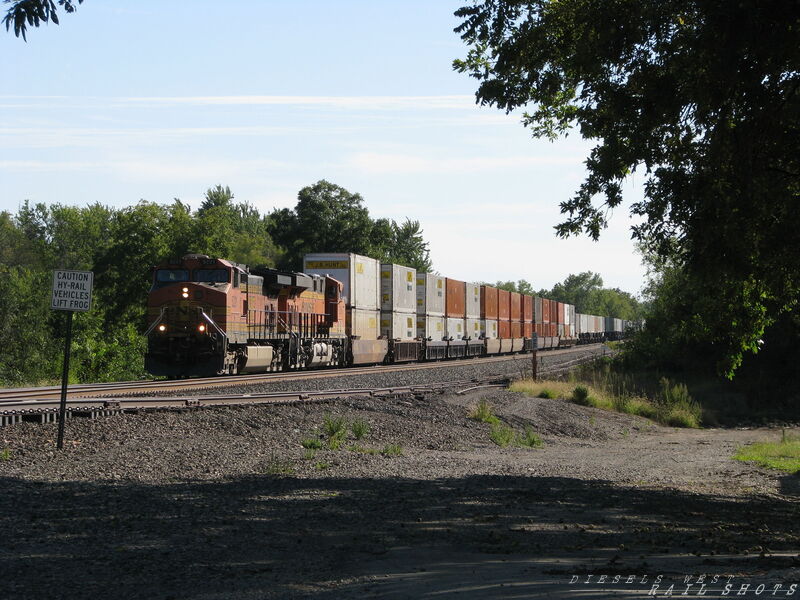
pixel 23 13
pixel 703 96
pixel 409 248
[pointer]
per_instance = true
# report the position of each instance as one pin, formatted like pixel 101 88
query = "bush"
pixel 580 395
pixel 333 426
pixel 311 443
pixel 547 394
pixel 359 428
pixel 483 413
pixel 502 435
pixel 530 439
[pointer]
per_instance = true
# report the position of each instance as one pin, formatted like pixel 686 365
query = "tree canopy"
pixel 328 218
pixel 24 13
pixel 704 97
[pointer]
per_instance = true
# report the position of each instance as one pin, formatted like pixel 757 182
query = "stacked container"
pixel 527 316
pixel 488 312
pixel 430 306
pixel 360 276
pixel 398 302
pixel 473 311
pixel 455 308
pixel 516 314
pixel 504 314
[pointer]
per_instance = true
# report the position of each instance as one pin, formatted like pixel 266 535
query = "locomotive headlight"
pixel 185 290
pixel 201 327
pixel 185 294
pixel 162 327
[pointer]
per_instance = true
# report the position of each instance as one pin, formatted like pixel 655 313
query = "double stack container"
pixel 398 302
pixel 527 316
pixel 455 308
pixel 504 314
pixel 360 276
pixel 430 306
pixel 488 312
pixel 472 311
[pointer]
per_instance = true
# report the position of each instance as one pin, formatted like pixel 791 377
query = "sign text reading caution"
pixel 72 290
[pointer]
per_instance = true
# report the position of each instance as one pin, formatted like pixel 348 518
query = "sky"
pixel 158 100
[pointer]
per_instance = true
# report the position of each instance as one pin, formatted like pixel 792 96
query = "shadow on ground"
pixel 280 536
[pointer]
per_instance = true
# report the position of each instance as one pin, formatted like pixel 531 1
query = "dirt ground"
pixel 227 503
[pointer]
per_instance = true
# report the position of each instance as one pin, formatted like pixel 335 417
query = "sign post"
pixel 534 353
pixel 72 291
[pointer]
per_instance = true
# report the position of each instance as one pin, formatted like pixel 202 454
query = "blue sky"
pixel 160 100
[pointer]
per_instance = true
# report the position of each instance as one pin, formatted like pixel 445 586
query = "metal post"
pixel 534 352
pixel 62 412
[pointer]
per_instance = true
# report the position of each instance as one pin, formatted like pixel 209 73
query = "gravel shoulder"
pixel 226 503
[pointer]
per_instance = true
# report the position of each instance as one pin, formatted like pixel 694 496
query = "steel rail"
pixel 150 386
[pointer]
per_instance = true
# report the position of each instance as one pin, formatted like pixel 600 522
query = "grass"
pixel 321 466
pixel 311 443
pixel 483 413
pixel 530 439
pixel 5 455
pixel 505 436
pixel 334 426
pixel 279 466
pixel 392 450
pixel 502 435
pixel 669 404
pixel 360 428
pixel 783 455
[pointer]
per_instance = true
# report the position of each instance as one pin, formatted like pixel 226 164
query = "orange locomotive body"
pixel 210 316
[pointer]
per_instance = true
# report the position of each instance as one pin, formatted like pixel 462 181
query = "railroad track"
pixel 125 388
pixel 95 400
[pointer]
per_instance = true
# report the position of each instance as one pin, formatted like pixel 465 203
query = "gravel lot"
pixel 226 503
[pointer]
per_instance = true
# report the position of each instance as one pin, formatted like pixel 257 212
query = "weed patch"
pixel 530 439
pixel 360 428
pixel 782 456
pixel 279 466
pixel 5 455
pixel 483 413
pixel 311 443
pixel 333 426
pixel 392 450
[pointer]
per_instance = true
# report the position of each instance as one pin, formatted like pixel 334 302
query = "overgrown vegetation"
pixel 483 412
pixel 783 455
pixel 599 385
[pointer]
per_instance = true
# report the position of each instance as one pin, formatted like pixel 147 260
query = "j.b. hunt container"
pixel 431 327
pixel 362 323
pixel 472 328
pixel 473 301
pixel 489 329
pixel 398 288
pixel 430 294
pixel 455 328
pixel 360 276
pixel 398 325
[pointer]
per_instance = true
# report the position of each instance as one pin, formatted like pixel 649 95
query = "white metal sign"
pixel 72 290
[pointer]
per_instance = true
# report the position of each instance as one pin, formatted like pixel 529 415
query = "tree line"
pixel 120 245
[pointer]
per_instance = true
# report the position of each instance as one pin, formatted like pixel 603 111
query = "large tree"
pixel 704 97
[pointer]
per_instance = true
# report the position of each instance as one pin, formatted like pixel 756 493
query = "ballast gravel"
pixel 228 503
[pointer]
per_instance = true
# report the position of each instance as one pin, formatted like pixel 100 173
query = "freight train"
pixel 209 316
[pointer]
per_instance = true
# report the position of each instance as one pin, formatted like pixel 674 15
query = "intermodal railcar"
pixel 209 316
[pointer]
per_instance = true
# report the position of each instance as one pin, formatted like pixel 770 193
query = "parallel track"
pixel 42 405
pixel 125 388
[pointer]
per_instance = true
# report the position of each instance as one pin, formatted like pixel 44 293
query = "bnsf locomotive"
pixel 210 316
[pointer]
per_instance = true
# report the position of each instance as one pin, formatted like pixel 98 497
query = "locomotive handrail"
pixel 154 323
pixel 212 323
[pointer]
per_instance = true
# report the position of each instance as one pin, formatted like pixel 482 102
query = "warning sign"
pixel 72 290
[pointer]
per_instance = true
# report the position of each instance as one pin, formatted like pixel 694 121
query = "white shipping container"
pixel 359 274
pixel 489 328
pixel 399 325
pixel 363 323
pixel 429 326
pixel 567 313
pixel 398 288
pixel 454 328
pixel 431 292
pixel 473 328
pixel 473 306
